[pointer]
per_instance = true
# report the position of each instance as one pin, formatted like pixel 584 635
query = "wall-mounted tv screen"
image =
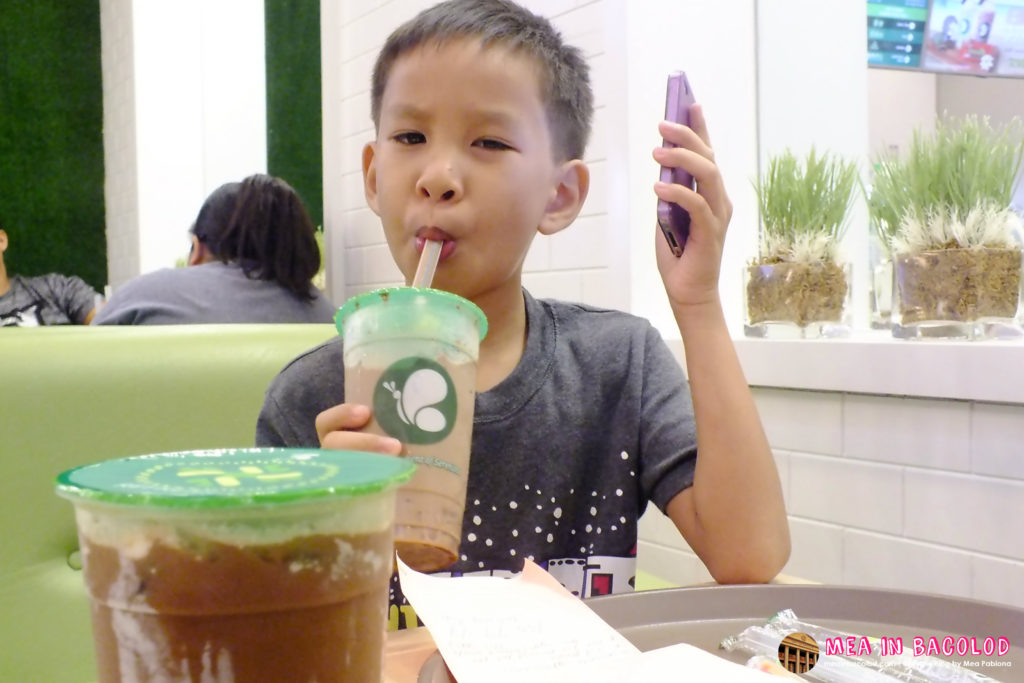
pixel 983 38
pixel 975 37
pixel 896 32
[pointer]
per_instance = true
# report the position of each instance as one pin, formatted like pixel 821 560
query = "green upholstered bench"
pixel 75 395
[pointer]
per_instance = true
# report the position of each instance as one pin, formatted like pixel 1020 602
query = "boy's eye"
pixel 490 143
pixel 410 138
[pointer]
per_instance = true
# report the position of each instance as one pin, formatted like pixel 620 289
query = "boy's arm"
pixel 733 516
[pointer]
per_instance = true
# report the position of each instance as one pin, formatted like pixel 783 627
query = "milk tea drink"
pixel 237 565
pixel 410 354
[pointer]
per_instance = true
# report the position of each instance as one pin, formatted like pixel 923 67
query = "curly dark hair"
pixel 262 224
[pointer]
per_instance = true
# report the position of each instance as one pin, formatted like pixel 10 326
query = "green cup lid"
pixel 410 295
pixel 231 478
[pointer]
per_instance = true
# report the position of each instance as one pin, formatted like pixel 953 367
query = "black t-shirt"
pixel 46 300
pixel 595 421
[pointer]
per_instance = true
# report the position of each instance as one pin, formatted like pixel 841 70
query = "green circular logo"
pixel 414 401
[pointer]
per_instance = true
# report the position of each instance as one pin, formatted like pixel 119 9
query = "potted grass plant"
pixel 943 212
pixel 798 285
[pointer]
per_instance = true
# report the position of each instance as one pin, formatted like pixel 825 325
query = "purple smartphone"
pixel 673 219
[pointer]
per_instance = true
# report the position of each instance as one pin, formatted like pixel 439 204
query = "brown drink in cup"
pixel 410 354
pixel 257 564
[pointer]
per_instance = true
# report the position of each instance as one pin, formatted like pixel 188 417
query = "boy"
pixel 582 415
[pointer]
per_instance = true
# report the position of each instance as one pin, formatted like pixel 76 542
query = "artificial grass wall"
pixel 294 121
pixel 51 138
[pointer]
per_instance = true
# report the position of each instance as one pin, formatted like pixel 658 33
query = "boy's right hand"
pixel 335 427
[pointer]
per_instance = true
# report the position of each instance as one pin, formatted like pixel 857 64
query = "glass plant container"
pixel 798 300
pixel 957 293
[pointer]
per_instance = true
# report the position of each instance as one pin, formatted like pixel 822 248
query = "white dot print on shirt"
pixel 488 543
pixel 624 455
pixel 557 512
pixel 515 533
pixel 512 504
pixel 471 537
pixel 477 520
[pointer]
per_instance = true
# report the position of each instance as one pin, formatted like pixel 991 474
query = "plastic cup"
pixel 237 565
pixel 410 354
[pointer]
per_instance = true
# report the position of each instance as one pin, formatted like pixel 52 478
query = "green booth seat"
pixel 76 395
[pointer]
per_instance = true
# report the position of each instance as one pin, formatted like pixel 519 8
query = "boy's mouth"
pixel 437 235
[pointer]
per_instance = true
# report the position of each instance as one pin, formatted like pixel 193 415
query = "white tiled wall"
pixel 889 492
pixel 573 264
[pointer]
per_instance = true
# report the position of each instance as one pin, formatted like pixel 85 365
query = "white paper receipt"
pixel 529 627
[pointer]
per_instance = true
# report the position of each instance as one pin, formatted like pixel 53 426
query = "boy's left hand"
pixel 692 279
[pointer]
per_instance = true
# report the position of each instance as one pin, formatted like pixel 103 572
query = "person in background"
pixel 51 299
pixel 254 255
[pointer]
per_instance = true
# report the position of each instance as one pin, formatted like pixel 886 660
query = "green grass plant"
pixel 951 189
pixel 804 206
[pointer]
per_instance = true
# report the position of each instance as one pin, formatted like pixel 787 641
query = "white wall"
pixel 899 102
pixel 191 117
pixel 912 494
pixel 119 149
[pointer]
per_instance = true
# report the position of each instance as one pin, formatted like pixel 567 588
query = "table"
pixel 703 615
pixel 404 654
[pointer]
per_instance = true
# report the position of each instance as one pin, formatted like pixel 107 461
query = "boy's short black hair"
pixel 564 74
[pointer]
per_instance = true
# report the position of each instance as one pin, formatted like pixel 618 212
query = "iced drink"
pixel 410 354
pixel 237 565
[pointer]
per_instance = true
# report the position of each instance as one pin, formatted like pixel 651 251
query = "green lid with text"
pixel 233 478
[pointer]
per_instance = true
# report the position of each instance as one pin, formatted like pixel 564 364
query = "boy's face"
pixel 463 154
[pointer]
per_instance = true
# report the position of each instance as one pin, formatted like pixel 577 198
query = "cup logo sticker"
pixel 414 401
pixel 238 475
pixel 229 478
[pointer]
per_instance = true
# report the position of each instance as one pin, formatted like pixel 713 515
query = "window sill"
pixel 875 363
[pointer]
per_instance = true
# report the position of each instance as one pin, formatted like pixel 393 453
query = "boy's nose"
pixel 439 182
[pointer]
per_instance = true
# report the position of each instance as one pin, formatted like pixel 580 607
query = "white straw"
pixel 428 263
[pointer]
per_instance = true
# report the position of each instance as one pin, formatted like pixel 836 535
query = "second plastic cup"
pixel 411 354
pixel 237 565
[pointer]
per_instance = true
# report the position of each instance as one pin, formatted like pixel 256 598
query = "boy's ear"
pixel 3 241
pixel 370 175
pixel 572 184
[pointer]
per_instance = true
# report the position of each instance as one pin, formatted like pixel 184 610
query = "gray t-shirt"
pixel 209 293
pixel 594 421
pixel 52 299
